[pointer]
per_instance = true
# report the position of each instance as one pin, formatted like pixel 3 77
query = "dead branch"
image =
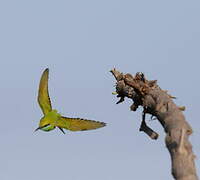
pixel 150 132
pixel 159 104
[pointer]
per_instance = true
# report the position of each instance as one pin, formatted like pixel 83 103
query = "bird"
pixel 52 119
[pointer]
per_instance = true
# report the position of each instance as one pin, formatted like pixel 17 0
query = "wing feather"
pixel 43 94
pixel 78 124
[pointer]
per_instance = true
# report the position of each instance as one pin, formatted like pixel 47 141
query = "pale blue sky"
pixel 80 41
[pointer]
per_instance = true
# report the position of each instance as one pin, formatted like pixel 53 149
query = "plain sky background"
pixel 80 41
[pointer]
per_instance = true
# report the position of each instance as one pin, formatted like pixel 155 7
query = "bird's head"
pixel 45 125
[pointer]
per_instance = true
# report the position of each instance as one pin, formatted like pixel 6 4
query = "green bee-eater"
pixel 53 119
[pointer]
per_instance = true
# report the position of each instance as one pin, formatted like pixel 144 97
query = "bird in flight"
pixel 53 119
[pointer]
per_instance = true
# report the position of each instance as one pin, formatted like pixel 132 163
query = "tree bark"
pixel 159 104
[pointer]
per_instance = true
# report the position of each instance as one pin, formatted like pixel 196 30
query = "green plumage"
pixel 53 119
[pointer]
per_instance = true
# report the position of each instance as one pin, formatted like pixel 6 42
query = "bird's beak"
pixel 37 129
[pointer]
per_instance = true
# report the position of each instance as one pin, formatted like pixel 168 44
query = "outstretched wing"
pixel 77 124
pixel 43 94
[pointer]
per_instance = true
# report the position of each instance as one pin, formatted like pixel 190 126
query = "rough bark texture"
pixel 159 104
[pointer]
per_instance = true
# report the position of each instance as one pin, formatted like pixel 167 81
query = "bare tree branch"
pixel 159 103
pixel 150 132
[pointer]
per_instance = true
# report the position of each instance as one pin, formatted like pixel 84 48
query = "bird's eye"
pixel 45 126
